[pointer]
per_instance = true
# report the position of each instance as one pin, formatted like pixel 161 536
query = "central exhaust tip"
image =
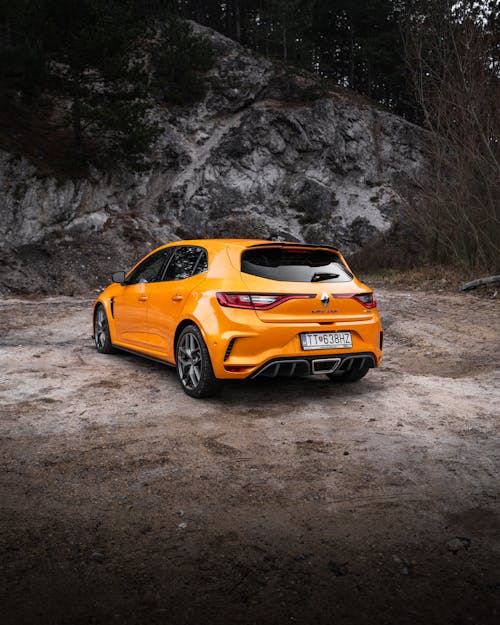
pixel 325 365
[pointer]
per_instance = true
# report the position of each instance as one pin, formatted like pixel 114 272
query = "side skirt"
pixel 143 355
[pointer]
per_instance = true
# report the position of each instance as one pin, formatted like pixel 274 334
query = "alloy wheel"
pixel 189 360
pixel 100 328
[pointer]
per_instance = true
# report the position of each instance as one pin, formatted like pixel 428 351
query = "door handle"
pixel 142 298
pixel 177 297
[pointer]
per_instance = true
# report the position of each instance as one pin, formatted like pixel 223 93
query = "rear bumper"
pixel 248 347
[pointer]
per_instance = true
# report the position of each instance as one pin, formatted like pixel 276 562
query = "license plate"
pixel 326 340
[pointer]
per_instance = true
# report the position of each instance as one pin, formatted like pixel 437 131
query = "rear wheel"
pixel 353 374
pixel 102 336
pixel 194 367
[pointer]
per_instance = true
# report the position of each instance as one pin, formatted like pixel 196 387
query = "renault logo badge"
pixel 324 299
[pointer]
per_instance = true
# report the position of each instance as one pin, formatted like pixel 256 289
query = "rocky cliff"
pixel 267 154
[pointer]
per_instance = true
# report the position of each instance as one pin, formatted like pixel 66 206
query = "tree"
pixel 359 45
pixel 355 42
pixel 94 55
pixel 180 59
pixel 88 47
pixel 452 50
pixel 21 59
pixel 81 51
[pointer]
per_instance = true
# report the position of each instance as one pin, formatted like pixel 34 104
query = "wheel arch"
pixel 183 324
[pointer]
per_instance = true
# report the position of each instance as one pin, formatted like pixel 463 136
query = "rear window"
pixel 295 265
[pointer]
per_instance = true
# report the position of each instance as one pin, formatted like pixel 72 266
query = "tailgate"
pixel 318 274
pixel 321 305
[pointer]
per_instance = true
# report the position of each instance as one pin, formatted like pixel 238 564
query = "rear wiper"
pixel 319 277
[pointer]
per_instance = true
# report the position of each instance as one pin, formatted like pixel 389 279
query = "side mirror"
pixel 118 276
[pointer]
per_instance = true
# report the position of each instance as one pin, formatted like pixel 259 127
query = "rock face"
pixel 266 154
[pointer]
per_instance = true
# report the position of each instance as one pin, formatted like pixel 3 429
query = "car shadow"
pixel 274 391
pixel 286 390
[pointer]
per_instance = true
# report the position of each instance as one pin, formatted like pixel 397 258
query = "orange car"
pixel 231 309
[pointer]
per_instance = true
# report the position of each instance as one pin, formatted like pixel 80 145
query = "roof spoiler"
pixel 294 244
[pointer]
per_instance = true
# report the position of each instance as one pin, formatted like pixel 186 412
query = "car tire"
pixel 102 337
pixel 354 374
pixel 193 364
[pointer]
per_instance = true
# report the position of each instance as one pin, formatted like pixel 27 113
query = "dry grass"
pixel 434 278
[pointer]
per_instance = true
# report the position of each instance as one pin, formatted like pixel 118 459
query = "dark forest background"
pixel 359 44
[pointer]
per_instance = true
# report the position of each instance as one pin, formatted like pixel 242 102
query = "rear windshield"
pixel 295 265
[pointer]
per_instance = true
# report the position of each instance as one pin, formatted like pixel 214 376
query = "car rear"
pixel 294 309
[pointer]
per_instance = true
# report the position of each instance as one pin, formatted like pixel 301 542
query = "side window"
pixel 149 270
pixel 186 262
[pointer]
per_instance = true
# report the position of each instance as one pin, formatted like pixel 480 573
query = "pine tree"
pixel 180 59
pixel 93 54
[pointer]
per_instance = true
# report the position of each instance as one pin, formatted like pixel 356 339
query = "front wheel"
pixel 102 336
pixel 194 367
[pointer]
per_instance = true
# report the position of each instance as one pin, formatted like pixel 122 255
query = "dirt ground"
pixel 281 501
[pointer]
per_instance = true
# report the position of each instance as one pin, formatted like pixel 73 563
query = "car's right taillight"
pixel 366 299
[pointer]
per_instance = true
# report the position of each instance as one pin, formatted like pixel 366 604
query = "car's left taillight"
pixel 257 301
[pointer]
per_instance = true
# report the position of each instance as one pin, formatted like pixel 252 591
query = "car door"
pixel 130 309
pixel 168 296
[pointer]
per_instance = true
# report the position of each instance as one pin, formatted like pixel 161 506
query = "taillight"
pixel 257 301
pixel 366 299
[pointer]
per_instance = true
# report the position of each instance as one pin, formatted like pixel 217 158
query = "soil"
pixel 280 501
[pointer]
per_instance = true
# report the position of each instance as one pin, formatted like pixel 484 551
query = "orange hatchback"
pixel 224 309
